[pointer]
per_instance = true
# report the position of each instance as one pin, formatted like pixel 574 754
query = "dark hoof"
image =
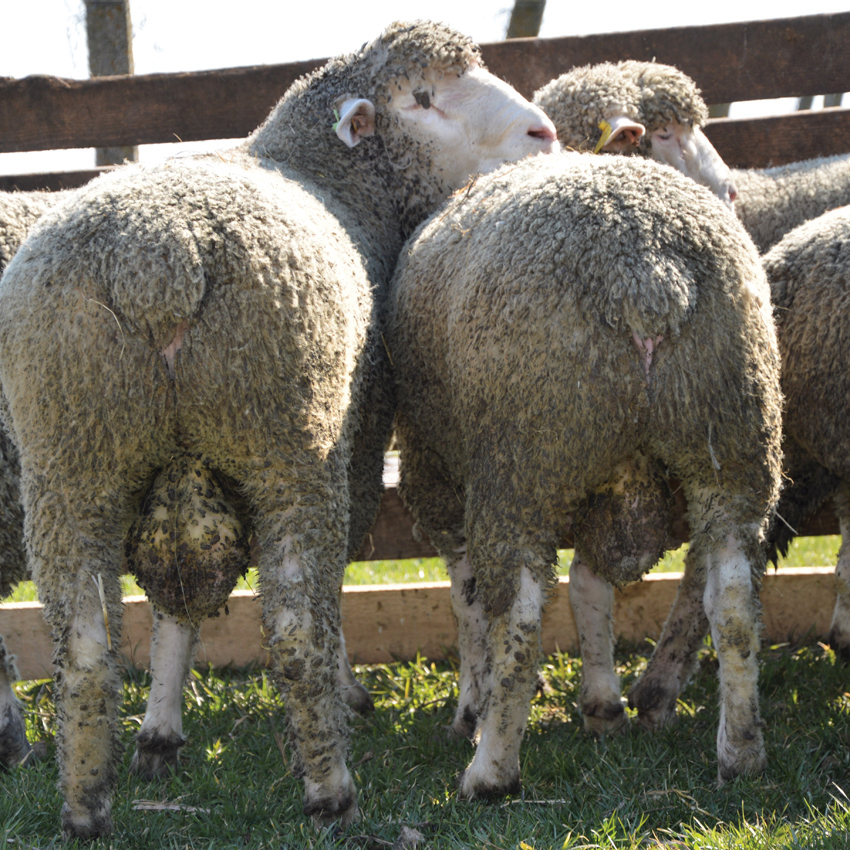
pixel 478 789
pixel 655 706
pixel 464 722
pixel 14 747
pixel 156 757
pixel 358 699
pixel 326 811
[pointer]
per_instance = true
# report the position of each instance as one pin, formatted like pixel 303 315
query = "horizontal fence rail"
pixel 731 62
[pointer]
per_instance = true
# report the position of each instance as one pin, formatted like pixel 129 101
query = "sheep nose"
pixel 546 133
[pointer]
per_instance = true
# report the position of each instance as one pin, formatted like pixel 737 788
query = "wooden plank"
pixel 777 140
pixel 384 624
pixel 50 181
pixel 742 61
pixel 44 113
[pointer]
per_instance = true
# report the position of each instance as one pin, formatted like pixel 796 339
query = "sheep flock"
pixel 554 307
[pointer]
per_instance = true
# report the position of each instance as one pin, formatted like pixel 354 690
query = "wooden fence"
pixel 730 62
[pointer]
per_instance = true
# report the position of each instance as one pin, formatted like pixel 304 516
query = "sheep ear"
pixel 356 120
pixel 620 134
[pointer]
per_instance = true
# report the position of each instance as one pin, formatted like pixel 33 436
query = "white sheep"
pixel 809 274
pixel 659 100
pixel 633 97
pixel 160 737
pixel 550 327
pixel 228 310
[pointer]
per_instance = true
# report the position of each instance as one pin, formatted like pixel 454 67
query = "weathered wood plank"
pixel 742 61
pixel 777 140
pixel 395 622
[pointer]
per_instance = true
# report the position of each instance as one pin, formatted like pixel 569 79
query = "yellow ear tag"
pixel 338 119
pixel 606 129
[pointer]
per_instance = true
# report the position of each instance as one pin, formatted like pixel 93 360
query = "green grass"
pixel 633 791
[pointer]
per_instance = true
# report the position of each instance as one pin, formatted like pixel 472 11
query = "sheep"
pixel 636 96
pixel 548 326
pixel 159 741
pixel 228 309
pixel 809 274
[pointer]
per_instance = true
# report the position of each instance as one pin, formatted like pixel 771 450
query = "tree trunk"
pixel 110 39
pixel 526 17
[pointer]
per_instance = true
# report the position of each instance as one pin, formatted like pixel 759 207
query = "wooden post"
pixel 110 40
pixel 526 17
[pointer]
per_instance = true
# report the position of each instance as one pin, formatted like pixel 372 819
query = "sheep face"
pixel 471 123
pixel 688 150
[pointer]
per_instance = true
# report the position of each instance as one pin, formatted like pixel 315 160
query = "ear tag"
pixel 606 129
pixel 335 125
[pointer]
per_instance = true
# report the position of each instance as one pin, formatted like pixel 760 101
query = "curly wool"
pixel 809 273
pixel 225 308
pixel 516 307
pixel 771 201
pixel 647 92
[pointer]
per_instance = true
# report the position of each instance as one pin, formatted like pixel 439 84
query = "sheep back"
pixel 773 201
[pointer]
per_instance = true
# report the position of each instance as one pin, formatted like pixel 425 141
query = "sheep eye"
pixel 422 98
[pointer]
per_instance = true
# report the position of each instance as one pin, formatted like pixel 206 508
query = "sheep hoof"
pixel 87 824
pixel 472 786
pixel 358 699
pixel 610 719
pixel 156 757
pixel 14 747
pixel 464 722
pixel 339 807
pixel 747 757
pixel 656 706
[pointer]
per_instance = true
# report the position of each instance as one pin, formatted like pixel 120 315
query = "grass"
pixel 634 792
pixel 233 788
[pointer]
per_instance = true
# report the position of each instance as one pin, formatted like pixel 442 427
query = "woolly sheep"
pixel 633 96
pixel 228 310
pixel 160 737
pixel 809 274
pixel 548 327
pixel 660 99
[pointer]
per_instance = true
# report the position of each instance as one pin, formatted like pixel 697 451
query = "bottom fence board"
pixel 394 622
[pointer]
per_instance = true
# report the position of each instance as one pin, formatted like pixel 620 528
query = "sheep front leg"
pixel 675 656
pixel 513 656
pixel 472 643
pixel 301 614
pixel 839 631
pixel 160 737
pixel 14 746
pixel 592 601
pixel 87 707
pixel 731 602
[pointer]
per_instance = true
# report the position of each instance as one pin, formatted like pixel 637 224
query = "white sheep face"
pixel 688 150
pixel 473 123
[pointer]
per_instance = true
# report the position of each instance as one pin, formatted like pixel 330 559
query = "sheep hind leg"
pixel 14 747
pixel 592 601
pixel 356 697
pixel 300 573
pixel 655 694
pixel 731 603
pixel 472 643
pixel 839 631
pixel 160 737
pixel 513 656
